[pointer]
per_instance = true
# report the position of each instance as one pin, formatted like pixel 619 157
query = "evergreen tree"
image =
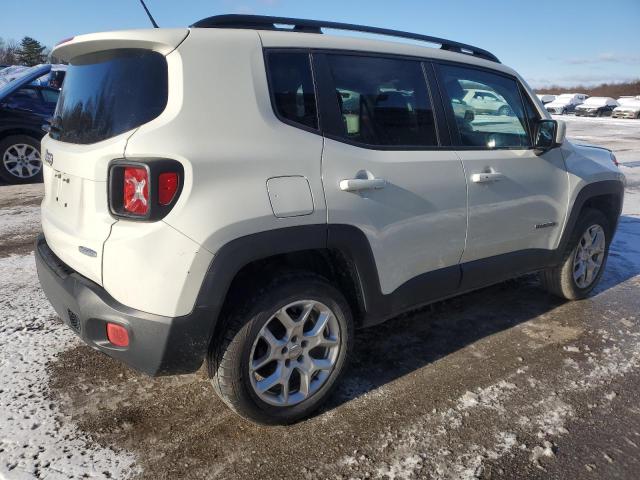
pixel 31 52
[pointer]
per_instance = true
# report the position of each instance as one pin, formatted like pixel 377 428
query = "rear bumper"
pixel 158 345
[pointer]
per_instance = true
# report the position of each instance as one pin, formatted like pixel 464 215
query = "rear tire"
pixel 20 160
pixel 271 340
pixel 505 110
pixel 566 280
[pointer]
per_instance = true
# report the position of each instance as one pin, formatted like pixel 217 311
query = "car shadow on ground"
pixel 414 340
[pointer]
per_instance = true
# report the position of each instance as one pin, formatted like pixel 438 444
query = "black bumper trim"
pixel 158 345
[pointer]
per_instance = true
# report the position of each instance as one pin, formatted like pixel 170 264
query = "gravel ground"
pixel 506 382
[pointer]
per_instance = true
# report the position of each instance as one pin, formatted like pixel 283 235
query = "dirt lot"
pixel 506 382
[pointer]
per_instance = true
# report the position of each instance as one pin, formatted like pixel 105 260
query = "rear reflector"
pixel 117 335
pixel 167 187
pixel 136 190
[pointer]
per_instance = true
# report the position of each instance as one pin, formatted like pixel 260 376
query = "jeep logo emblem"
pixel 48 157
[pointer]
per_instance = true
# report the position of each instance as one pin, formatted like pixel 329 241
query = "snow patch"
pixel 36 439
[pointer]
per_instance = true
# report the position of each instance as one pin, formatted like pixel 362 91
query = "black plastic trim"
pixel 592 190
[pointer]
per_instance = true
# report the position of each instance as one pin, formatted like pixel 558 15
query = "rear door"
pixel 384 170
pixel 517 197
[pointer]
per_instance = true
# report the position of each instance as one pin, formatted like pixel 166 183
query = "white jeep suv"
pixel 249 194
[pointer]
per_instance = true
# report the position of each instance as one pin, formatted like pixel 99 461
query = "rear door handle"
pixel 359 184
pixel 486 177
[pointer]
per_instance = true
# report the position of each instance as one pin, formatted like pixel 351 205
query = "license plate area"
pixel 63 189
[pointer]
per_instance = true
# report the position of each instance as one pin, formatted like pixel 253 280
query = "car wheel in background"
pixel 20 160
pixel 505 110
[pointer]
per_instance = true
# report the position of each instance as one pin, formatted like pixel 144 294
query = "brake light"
pixel 144 189
pixel 117 335
pixel 167 187
pixel 614 160
pixel 136 190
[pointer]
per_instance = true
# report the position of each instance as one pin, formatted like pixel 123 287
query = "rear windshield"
pixel 108 93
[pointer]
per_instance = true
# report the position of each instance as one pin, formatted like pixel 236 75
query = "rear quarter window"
pixel 292 89
pixel 108 93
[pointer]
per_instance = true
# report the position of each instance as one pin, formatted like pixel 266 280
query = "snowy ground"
pixel 507 382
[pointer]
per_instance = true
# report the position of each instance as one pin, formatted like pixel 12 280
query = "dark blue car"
pixel 24 107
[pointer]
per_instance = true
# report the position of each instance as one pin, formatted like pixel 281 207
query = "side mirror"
pixel 548 134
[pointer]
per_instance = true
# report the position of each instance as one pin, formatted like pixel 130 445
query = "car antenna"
pixel 153 22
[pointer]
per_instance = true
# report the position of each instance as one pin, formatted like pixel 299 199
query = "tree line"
pixel 614 90
pixel 28 52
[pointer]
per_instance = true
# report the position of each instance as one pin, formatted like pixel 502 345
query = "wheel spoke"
pixel 286 380
pixel 320 325
pixel 286 320
pixel 271 381
pixel 304 382
pixel 322 364
pixel 270 338
pixel 265 360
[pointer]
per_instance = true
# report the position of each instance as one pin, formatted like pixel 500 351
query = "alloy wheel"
pixel 22 160
pixel 589 256
pixel 294 353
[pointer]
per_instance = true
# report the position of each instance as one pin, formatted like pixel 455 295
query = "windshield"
pixel 108 93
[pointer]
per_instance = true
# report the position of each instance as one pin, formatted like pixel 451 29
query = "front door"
pixel 517 197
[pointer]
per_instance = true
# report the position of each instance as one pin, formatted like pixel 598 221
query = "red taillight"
pixel 167 187
pixel 136 190
pixel 117 335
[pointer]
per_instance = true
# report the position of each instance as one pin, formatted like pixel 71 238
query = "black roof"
pixel 260 22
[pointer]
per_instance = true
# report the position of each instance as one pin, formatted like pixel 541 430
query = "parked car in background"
pixel 24 108
pixel 484 101
pixel 628 109
pixel 596 107
pixel 546 98
pixel 566 103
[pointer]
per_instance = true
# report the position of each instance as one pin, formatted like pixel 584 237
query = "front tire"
pixel 20 160
pixel 278 358
pixel 584 258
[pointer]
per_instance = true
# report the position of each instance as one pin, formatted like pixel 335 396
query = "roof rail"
pixel 260 22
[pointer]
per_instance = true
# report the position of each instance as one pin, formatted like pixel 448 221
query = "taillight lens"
pixel 144 189
pixel 167 187
pixel 136 190
pixel 614 160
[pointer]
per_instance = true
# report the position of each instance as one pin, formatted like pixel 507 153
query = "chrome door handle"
pixel 486 177
pixel 359 184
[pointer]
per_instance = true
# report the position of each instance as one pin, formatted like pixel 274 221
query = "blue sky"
pixel 562 42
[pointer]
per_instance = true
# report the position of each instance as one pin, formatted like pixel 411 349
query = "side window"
pixel 500 122
pixel 291 85
pixel 26 98
pixel 383 101
pixel 50 95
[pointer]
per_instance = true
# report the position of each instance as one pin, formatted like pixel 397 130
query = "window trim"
pixel 272 98
pixel 455 133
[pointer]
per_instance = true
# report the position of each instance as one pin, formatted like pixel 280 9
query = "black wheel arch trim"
pixel 590 191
